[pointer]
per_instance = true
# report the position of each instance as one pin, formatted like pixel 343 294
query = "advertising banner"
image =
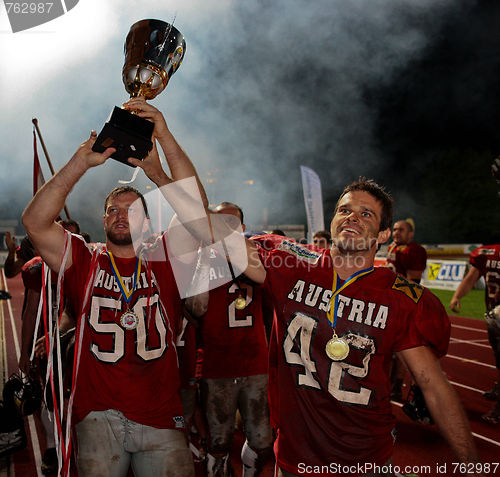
pixel 445 274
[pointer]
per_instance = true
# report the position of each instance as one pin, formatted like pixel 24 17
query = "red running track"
pixel 419 449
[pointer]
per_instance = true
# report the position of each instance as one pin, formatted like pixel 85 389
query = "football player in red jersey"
pixel 127 407
pixel 329 388
pixel 405 256
pixel 485 262
pixel 234 371
pixel 408 258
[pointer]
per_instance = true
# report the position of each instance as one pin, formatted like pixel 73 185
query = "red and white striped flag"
pixel 38 180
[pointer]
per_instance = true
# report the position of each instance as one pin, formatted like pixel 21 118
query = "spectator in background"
pixel 485 262
pixel 405 256
pixel 322 239
pixel 70 225
pixel 17 256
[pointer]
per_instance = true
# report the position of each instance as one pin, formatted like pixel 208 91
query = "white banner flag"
pixel 313 199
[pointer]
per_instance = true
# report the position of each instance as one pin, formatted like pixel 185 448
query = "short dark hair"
pixel 86 237
pixel 324 234
pixel 123 190
pixel 26 249
pixel 230 205
pixel 378 192
pixel 70 223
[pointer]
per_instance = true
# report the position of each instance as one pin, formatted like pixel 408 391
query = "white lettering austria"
pixel 359 311
pixel 108 281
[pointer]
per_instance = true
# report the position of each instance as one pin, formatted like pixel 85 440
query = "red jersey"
pixel 487 260
pixel 404 257
pixel 339 412
pixel 234 340
pixel 133 370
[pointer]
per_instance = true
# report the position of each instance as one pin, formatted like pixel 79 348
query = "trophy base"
pixel 128 133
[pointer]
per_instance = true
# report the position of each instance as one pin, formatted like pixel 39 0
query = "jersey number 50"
pixel 106 306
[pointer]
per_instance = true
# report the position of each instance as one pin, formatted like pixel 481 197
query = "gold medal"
pixel 129 320
pixel 336 348
pixel 240 303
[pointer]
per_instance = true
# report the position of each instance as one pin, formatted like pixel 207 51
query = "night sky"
pixel 402 91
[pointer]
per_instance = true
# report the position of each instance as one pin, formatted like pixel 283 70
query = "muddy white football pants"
pixel 108 443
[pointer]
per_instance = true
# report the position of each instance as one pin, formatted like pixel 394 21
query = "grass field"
pixel 472 305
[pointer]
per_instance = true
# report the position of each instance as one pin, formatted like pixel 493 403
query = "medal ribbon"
pixel 336 289
pixel 127 294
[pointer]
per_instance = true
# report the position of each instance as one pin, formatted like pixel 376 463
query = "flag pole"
pixel 35 123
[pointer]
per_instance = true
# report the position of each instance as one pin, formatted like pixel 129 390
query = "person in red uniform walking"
pixel 408 258
pixel 485 262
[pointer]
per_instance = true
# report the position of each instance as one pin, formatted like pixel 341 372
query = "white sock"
pixel 249 460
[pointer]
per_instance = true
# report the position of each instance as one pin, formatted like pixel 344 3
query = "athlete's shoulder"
pixel 384 277
pixel 486 250
pixel 416 246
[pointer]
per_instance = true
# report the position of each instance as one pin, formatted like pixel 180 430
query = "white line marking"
pixel 6 466
pixel 12 322
pixel 471 342
pixel 35 443
pixel 479 436
pixel 480 330
pixel 484 438
pixel 470 361
pixel 468 387
pixel 36 448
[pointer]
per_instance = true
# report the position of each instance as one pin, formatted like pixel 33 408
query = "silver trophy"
pixel 154 49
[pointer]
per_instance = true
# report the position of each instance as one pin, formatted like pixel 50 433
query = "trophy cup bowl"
pixel 154 49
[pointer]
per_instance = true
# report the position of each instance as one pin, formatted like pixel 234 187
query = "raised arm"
pixel 179 164
pixel 465 287
pixel 39 217
pixel 181 167
pixel 442 401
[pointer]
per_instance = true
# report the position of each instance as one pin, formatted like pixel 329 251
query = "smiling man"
pixel 338 320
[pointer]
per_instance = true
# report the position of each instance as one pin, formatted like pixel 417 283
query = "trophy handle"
pixel 128 133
